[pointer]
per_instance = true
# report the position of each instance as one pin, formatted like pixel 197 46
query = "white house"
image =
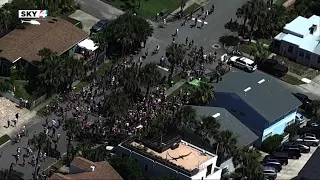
pixel 300 41
pixel 171 156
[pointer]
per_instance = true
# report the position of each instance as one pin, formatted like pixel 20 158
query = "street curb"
pixel 5 143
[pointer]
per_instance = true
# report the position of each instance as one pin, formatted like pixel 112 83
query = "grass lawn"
pixel 3 139
pixel 148 8
pixel 80 85
pixel 22 92
pixel 245 48
pixel 280 2
pixel 291 80
pixel 176 78
pixel 57 165
pixel 265 41
pixel 184 87
pixel 191 9
pixel 103 67
pixel 293 66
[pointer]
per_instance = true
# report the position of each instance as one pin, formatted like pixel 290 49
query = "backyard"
pixel 148 8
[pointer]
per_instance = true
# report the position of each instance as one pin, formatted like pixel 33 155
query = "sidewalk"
pixel 188 4
pixel 176 86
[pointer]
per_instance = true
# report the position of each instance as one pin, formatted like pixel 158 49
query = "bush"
pixel 5 138
pixel 5 85
pixel 292 129
pixel 271 143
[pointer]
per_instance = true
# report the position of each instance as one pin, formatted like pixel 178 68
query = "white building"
pixel 300 41
pixel 174 157
pixel 2 2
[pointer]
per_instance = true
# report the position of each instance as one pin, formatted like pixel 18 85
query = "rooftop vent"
pixel 261 81
pixel 216 115
pixel 247 89
pixel 92 168
pixel 313 28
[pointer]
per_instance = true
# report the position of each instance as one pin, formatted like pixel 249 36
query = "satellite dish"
pixel 33 22
pixel 109 148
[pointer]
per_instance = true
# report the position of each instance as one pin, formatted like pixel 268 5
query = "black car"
pixel 276 165
pixel 304 99
pixel 292 153
pixel 273 67
pixel 303 148
pixel 99 26
pixel 281 157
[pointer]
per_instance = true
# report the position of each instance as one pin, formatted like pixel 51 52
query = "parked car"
pixel 273 67
pixel 269 173
pixel 292 153
pixel 276 165
pixel 100 25
pixel 303 148
pixel 308 135
pixel 243 62
pixel 304 99
pixel 309 141
pixel 282 157
pixel 300 119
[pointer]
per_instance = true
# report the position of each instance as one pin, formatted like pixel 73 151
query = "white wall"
pixel 2 2
pixel 203 170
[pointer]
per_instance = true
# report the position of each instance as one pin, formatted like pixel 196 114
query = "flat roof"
pixel 54 33
pixel 269 98
pixel 185 155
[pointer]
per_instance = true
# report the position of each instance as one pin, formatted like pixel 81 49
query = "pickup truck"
pixel 273 67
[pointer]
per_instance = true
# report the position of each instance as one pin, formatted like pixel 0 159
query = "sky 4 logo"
pixel 37 14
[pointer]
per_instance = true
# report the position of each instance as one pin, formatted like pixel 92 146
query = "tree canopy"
pixel 125 34
pixel 127 168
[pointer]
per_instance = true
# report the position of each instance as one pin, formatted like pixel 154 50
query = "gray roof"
pixel 269 98
pixel 228 122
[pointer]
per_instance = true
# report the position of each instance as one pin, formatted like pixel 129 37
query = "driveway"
pixel 295 165
pixel 99 9
pixel 86 19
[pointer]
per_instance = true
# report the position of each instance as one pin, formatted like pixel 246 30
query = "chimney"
pixel 92 168
pixel 313 28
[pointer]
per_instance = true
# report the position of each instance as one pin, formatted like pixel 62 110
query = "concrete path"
pixel 99 9
pixel 176 86
pixel 189 3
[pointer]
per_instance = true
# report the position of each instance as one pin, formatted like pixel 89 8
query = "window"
pixel 301 53
pixel 290 122
pixel 209 169
pixel 268 135
pixel 146 167
pixel 318 59
pixel 290 49
pixel 308 56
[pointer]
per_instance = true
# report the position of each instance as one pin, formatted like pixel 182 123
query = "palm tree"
pixel 185 119
pixel 259 52
pixel 73 69
pixel 225 145
pixel 116 104
pixel 209 127
pixel 249 166
pixel 10 174
pixel 73 128
pixel 39 142
pixel 130 81
pixel 258 8
pixel 313 107
pixel 150 76
pixel 175 53
pixel 244 12
pixel 202 94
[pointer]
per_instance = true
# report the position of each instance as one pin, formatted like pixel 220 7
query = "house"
pixel 300 41
pixel 23 45
pixel 81 168
pixel 169 155
pixel 258 100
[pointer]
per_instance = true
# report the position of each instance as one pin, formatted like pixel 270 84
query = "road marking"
pixel 166 69
pixel 306 80
pixel 199 21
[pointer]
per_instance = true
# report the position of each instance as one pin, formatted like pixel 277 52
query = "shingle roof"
pixel 56 34
pixel 270 99
pixel 228 122
pixel 103 170
pixel 310 170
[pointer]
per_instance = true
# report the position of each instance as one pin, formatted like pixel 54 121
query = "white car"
pixel 243 62
pixel 299 118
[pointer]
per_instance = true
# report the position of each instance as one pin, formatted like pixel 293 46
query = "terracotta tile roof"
pixel 58 176
pixel 56 34
pixel 103 171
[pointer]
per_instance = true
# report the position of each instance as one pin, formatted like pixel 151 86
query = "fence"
pixel 36 102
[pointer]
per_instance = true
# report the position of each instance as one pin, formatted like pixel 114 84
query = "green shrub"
pixel 271 143
pixel 5 85
pixel 3 139
pixel 292 129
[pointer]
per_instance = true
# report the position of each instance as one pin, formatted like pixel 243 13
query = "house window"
pixel 146 167
pixel 268 135
pixel 243 114
pixel 290 49
pixel 301 53
pixel 318 59
pixel 290 122
pixel 308 56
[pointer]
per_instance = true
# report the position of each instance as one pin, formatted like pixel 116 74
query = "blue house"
pixel 258 101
